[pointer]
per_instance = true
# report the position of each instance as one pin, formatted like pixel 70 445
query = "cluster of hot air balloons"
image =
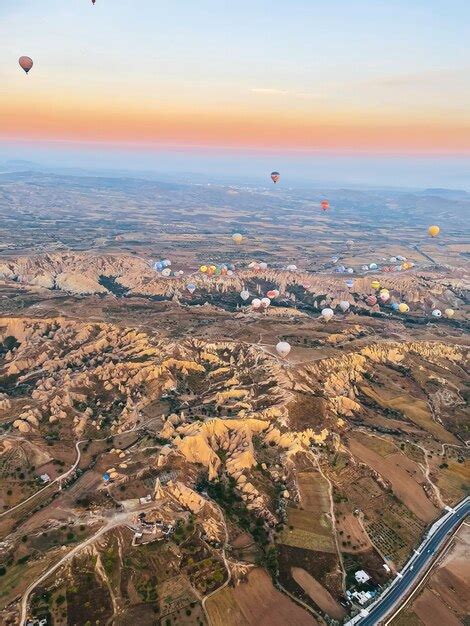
pixel 217 270
pixel 257 267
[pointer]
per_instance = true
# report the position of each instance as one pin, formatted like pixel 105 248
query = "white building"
pixel 361 576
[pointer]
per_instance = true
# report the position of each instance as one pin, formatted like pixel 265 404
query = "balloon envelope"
pixel 449 312
pixel 265 302
pixel 371 300
pixel 237 238
pixel 26 63
pixel 403 307
pixel 256 303
pixel 344 305
pixel 434 231
pixel 191 287
pixel 275 176
pixel 325 205
pixel 273 293
pixel 244 295
pixel 327 314
pixel 375 284
pixel 283 348
pixel 437 313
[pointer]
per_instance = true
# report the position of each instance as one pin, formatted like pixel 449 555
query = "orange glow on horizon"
pixel 103 123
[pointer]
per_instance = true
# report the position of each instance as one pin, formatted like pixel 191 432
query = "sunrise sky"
pixel 368 76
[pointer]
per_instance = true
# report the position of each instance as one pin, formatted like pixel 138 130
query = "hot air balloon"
pixel 273 293
pixel 106 477
pixel 265 302
pixel 283 348
pixel 375 284
pixel 434 231
pixel 203 269
pixel 449 312
pixel 371 300
pixel 327 314
pixel 93 1
pixel 263 266
pixel 344 305
pixel 244 295
pixel 26 63
pixel 395 306
pixel 191 287
pixel 256 303
pixel 166 263
pixel 350 270
pixel 291 268
pixel 373 266
pixel 437 313
pixel 325 205
pixel 350 243
pixel 350 284
pixel 403 307
pixel 158 266
pixel 166 272
pixel 237 238
pixel 275 176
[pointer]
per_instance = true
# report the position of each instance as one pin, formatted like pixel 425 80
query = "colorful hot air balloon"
pixel 237 238
pixel 327 314
pixel 275 176
pixel 371 300
pixel 26 63
pixel 325 205
pixel 434 231
pixel 244 295
pixel 449 312
pixel 191 287
pixel 283 348
pixel 273 293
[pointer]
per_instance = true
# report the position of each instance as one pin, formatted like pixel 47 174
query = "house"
pixel 361 576
pixel 360 596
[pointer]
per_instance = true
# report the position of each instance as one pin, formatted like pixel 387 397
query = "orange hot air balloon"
pixel 434 231
pixel 325 205
pixel 275 176
pixel 26 63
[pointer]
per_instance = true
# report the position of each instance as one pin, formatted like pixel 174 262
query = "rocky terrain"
pixel 161 462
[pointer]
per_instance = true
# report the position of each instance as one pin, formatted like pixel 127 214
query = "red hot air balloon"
pixel 325 205
pixel 275 176
pixel 25 63
pixel 371 300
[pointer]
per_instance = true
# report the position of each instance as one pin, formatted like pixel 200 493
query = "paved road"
pixel 420 565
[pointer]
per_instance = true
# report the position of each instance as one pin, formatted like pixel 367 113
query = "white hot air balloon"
pixel 283 348
pixel 291 268
pixel 244 295
pixel 327 314
pixel 344 305
pixel 166 272
pixel 263 266
pixel 437 313
pixel 256 303
pixel 265 302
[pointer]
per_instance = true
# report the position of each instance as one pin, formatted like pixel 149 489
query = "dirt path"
pixel 118 520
